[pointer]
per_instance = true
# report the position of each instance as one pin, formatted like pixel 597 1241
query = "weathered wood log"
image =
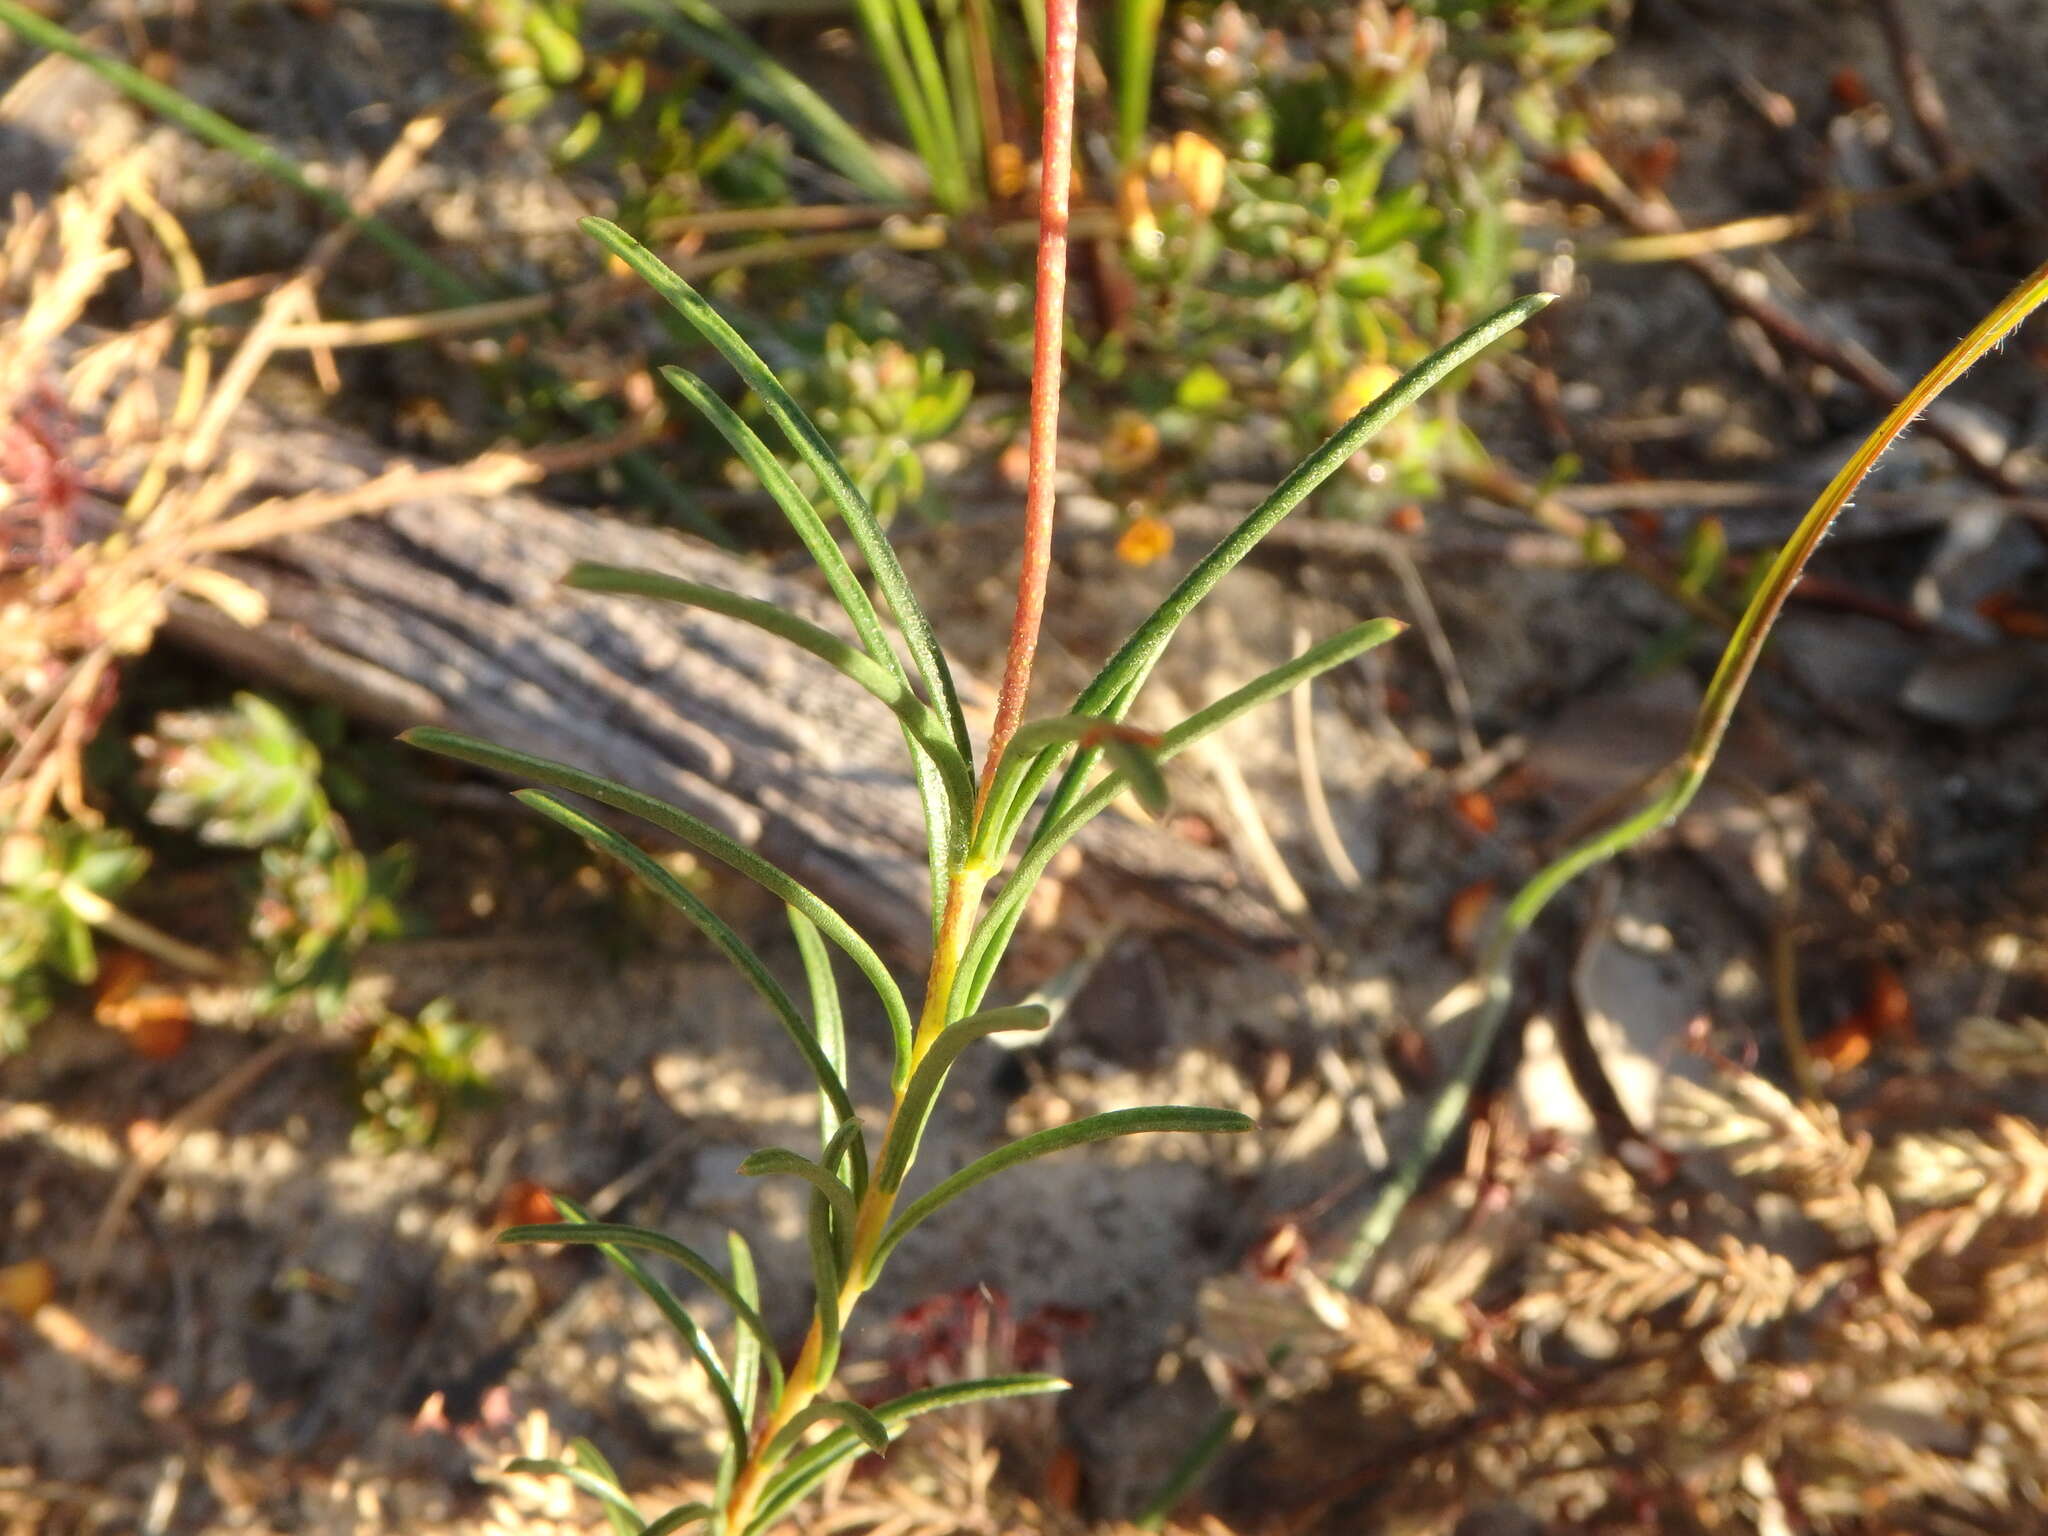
pixel 450 611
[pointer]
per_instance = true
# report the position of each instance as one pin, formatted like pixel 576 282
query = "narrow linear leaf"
pixel 810 445
pixel 1038 746
pixel 879 24
pixel 1115 687
pixel 991 935
pixel 580 1230
pixel 797 510
pixel 887 685
pixel 828 1019
pixel 944 844
pixel 748 1353
pixel 665 1302
pixel 949 179
pixel 809 1466
pixel 827 1275
pixel 681 1518
pixel 1667 793
pixel 625 1520
pixel 755 74
pixel 780 1160
pixel 616 1504
pixel 691 830
pixel 1063 730
pixel 850 1149
pixel 864 1426
pixel 1116 1122
pixel 714 928
pixel 916 1106
pixel 945 826
pixel 1140 771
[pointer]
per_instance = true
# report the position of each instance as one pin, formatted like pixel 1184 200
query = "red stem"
pixel 1056 174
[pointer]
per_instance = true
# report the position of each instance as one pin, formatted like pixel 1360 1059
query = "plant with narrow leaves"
pixel 785 1429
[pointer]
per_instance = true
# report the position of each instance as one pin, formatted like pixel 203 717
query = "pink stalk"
pixel 1062 27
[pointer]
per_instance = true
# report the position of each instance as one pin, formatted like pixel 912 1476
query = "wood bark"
pixel 450 611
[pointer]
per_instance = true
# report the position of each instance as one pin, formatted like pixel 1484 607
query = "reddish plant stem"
pixel 1056 174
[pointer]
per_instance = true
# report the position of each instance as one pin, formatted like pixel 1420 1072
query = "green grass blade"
pixel 915 1108
pixel 1114 688
pixel 949 177
pixel 691 830
pixel 580 1230
pixel 804 437
pixel 1668 792
pixel 711 925
pixel 1033 12
pixel 810 1465
pixel 878 22
pixel 964 97
pixel 992 933
pixel 700 27
pixel 1137 43
pixel 887 685
pixel 1116 1122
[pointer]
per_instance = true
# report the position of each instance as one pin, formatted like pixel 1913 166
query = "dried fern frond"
pixel 1992 1051
pixel 1797 1147
pixel 1976 1178
pixel 1624 1273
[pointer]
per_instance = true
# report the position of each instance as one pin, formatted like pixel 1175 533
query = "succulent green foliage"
pixel 1306 241
pixel 415 1075
pixel 879 402
pixel 786 1430
pixel 248 777
pixel 315 910
pixel 50 881
pixel 244 777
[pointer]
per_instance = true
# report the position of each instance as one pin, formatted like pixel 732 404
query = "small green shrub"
pixel 880 403
pixel 415 1075
pixel 784 1429
pixel 248 777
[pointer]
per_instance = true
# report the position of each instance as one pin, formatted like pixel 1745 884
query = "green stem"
pixel 1669 792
